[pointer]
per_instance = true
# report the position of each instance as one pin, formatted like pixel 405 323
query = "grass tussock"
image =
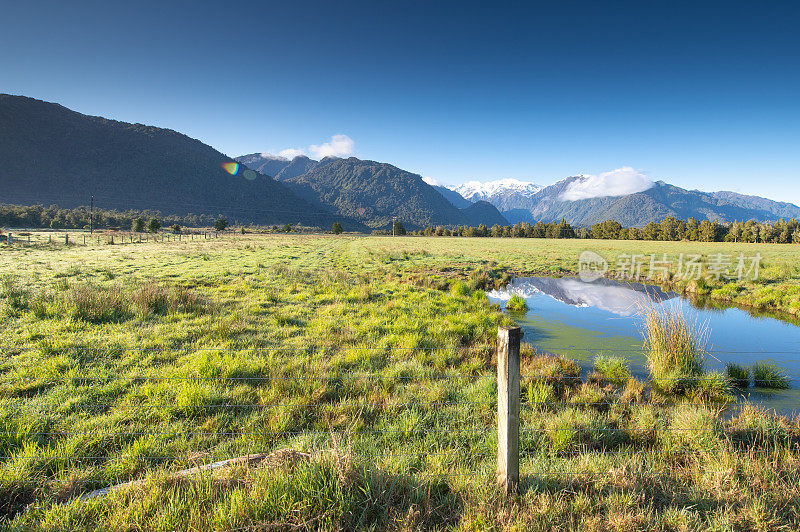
pixel 96 304
pixel 516 304
pixel 163 300
pixel 738 375
pixel 615 370
pixel 769 376
pixel 672 345
pixel 674 349
pixel 15 296
pixel 99 304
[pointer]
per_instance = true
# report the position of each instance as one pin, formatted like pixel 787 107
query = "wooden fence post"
pixel 66 239
pixel 508 341
pixel 9 239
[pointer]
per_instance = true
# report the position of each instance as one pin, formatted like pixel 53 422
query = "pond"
pixel 580 320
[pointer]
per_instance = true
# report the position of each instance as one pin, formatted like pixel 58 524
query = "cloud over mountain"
pixel 619 182
pixel 289 153
pixel 338 146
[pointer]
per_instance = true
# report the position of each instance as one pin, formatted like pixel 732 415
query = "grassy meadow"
pixel 363 368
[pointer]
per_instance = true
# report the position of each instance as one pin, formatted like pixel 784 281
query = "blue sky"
pixel 699 94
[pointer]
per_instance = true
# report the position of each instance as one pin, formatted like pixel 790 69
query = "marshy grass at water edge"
pixel 516 304
pixel 674 348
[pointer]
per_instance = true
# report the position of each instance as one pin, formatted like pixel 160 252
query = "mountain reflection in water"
pixel 623 299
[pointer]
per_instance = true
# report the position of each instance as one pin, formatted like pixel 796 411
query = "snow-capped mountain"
pixel 477 191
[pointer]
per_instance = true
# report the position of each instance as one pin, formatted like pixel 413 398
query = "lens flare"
pixel 249 174
pixel 232 168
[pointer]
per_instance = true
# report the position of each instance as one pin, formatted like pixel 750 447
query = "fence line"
pixel 102 238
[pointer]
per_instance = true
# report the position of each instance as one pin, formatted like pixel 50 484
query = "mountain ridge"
pixel 639 208
pixel 54 155
pixel 377 193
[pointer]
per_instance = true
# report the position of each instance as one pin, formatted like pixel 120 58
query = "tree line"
pixel 670 228
pixel 54 217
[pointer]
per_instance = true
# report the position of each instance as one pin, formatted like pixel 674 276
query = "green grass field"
pixel 370 358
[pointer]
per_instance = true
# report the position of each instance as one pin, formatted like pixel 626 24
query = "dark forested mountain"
pixel 637 210
pixel 264 163
pixel 52 155
pixel 483 212
pixel 277 167
pixel 453 197
pixel 299 166
pixel 376 193
pixel 779 209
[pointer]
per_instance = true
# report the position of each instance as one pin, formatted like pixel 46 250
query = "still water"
pixel 580 320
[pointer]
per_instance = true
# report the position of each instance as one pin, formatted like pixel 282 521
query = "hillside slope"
pixel 52 155
pixel 780 209
pixel 375 194
pixel 483 212
pixel 266 164
pixel 453 197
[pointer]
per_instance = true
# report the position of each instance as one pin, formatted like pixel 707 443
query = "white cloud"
pixel 290 153
pixel 619 182
pixel 431 181
pixel 268 155
pixel 338 146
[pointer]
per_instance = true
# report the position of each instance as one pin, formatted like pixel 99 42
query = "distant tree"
pixel 176 228
pixel 709 231
pixel 154 226
pixel 138 225
pixel 337 228
pixel 692 230
pixel 735 232
pixel 398 228
pixel 610 229
pixel 783 233
pixel 669 229
pixel 651 231
pixel 221 224
pixel 287 228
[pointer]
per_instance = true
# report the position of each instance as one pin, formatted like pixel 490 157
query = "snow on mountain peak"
pixel 476 190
